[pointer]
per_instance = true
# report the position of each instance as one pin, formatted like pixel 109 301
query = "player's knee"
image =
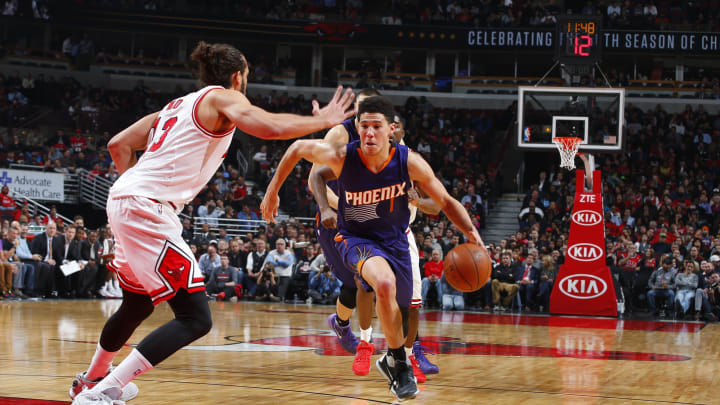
pixel 385 290
pixel 200 325
pixel 348 297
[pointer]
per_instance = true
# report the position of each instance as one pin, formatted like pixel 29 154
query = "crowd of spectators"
pixel 656 14
pixel 661 197
pixel 662 218
pixel 447 138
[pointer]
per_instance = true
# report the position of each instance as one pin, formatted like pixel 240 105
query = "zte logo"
pixel 585 252
pixel 583 286
pixel 586 218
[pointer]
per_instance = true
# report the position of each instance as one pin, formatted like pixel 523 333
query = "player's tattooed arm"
pixel 318 181
pixel 122 147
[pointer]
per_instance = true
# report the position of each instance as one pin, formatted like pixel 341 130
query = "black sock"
pixel 341 322
pixel 417 337
pixel 398 354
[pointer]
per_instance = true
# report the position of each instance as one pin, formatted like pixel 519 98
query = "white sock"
pixel 100 363
pixel 133 366
pixel 366 334
pixel 408 351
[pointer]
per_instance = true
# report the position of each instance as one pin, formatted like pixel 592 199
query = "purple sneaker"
pixel 425 365
pixel 347 338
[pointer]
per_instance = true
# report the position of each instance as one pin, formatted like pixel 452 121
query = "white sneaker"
pixel 81 384
pixel 110 396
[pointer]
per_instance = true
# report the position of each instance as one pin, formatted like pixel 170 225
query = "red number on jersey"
pixel 167 127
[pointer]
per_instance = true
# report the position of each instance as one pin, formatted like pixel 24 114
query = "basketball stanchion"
pixel 584 283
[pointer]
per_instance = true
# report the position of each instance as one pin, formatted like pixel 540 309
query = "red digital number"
pixel 166 128
pixel 582 48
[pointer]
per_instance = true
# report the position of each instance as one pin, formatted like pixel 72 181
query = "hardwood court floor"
pixel 275 354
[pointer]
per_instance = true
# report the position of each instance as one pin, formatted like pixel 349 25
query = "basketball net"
pixel 568 147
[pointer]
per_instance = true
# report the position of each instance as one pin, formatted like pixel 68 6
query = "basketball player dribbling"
pixel 350 296
pixel 340 322
pixel 184 145
pixel 374 177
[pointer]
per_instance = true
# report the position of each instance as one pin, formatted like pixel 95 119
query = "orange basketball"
pixel 467 267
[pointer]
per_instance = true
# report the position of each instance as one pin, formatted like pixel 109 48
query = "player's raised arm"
pixel 316 151
pixel 266 125
pixel 421 172
pixel 318 181
pixel 122 147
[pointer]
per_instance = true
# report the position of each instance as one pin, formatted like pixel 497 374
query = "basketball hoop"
pixel 568 147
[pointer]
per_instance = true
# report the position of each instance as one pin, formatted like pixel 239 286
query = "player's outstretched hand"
pixel 269 207
pixel 474 237
pixel 338 109
pixel 328 218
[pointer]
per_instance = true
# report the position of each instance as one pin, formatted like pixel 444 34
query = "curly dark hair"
pixel 214 64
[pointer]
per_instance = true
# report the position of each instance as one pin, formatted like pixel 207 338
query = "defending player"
pixel 184 145
pixel 340 321
pixel 373 215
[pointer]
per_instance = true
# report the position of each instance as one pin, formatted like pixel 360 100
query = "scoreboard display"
pixel 578 40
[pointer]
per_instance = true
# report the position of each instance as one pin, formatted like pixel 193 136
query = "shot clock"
pixel 578 40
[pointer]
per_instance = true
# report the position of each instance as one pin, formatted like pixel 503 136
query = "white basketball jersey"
pixel 180 158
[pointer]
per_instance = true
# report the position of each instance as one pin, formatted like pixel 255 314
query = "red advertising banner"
pixel 584 284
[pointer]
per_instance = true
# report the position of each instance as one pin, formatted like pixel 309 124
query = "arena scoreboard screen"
pixel 578 40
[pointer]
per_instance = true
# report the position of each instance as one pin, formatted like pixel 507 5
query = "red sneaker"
pixel 419 375
pixel 220 296
pixel 361 364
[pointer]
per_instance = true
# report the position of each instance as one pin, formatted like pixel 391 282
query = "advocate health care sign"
pixel 35 185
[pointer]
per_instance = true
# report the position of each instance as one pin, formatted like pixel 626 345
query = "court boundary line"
pixel 324 394
pixel 313 377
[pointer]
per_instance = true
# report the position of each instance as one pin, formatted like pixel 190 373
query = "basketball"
pixel 467 267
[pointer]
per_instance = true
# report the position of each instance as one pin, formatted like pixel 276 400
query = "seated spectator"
pixel 208 261
pixel 452 299
pixel 247 214
pixel 687 284
pixel 41 249
pixel 7 204
pixel 662 284
pixel 323 287
pixel 504 286
pixel 236 254
pixel 267 289
pixel 224 281
pixel 527 280
pixel 24 277
pixel 433 270
pixel 7 271
pixel 548 273
pixel 254 266
pixel 90 252
pixel 283 260
pixel 205 235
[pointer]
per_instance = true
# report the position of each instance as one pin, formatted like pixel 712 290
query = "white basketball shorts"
pixel 416 300
pixel 150 255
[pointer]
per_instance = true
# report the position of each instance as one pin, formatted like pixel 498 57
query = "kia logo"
pixel 585 252
pixel 583 286
pixel 586 218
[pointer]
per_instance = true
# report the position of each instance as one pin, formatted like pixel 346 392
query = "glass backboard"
pixel 594 115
